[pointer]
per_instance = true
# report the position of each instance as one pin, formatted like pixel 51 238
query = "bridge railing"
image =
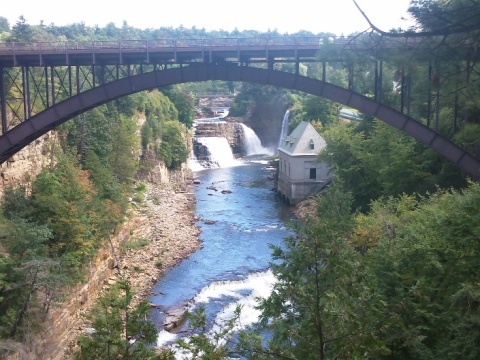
pixel 69 46
pixel 12 48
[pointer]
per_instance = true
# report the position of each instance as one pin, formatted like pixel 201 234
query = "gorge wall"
pixel 27 164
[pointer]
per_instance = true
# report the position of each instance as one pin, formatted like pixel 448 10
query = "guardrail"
pixel 203 44
pixel 168 43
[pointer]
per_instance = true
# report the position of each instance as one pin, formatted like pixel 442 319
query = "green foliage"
pixel 21 31
pixel 425 274
pixel 63 199
pixel 319 299
pixel 146 134
pixel 4 25
pixel 129 105
pixel 107 186
pixel 136 244
pixel 173 150
pixel 122 159
pixel 377 161
pixel 184 103
pixel 91 131
pixel 120 331
pixel 309 108
pixel 159 108
pixel 139 192
pixel 254 98
pixel 15 202
pixel 141 187
pixel 469 138
pixel 25 271
pixel 213 345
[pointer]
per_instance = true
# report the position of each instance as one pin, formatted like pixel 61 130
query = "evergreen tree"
pixel 120 331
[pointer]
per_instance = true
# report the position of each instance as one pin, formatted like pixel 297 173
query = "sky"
pixel 285 16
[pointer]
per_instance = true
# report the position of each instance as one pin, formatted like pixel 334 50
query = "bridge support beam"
pixel 378 80
pixel 3 102
pixel 22 134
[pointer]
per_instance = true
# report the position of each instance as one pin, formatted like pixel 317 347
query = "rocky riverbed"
pixel 162 233
pixel 166 235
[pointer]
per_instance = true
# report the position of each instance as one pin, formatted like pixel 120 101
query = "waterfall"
pixel 284 132
pixel 193 162
pixel 219 152
pixel 253 145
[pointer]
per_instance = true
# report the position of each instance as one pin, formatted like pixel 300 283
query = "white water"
pixel 253 145
pixel 220 152
pixel 193 163
pixel 259 285
pixel 231 294
pixel 284 132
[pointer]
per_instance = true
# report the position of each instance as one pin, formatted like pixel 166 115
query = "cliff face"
pixel 165 217
pixel 27 163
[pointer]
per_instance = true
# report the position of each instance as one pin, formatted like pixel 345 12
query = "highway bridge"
pixel 185 51
pixel 42 85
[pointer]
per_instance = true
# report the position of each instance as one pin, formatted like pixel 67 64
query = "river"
pixel 239 216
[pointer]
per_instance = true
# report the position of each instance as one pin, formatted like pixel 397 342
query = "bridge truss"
pixel 42 85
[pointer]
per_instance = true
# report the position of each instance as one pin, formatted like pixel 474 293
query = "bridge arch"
pixel 26 132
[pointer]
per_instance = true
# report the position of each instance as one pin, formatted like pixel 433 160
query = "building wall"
pixel 294 183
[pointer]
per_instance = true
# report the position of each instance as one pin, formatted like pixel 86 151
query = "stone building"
pixel 299 173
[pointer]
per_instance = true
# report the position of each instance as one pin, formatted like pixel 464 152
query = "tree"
pixel 184 102
pixel 425 272
pixel 120 331
pixel 317 303
pixel 173 149
pixel 25 273
pixel 311 108
pixel 123 158
pixel 63 198
pixel 4 24
pixel 92 130
pixel 21 31
pixel 213 344
pixel 345 152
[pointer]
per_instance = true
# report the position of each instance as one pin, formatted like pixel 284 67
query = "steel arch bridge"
pixel 215 67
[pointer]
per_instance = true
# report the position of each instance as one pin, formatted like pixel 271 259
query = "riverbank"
pixel 162 232
pixel 166 235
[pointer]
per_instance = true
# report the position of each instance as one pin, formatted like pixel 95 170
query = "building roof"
pixel 298 143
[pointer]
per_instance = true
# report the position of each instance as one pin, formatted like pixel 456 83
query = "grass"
pixel 136 244
pixel 139 192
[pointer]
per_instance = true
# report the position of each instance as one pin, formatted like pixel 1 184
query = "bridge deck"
pixel 162 51
pixel 183 51
pixel 165 51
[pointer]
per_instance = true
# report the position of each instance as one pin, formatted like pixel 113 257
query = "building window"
pixel 312 144
pixel 313 173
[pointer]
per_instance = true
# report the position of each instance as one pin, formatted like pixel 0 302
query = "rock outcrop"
pixel 27 163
